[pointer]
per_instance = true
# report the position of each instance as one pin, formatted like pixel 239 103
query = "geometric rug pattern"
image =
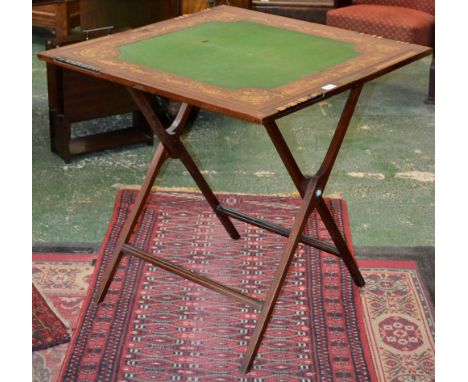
pixel 63 279
pixel 399 321
pixel 154 325
pixel 47 329
pixel 396 312
pixel 391 364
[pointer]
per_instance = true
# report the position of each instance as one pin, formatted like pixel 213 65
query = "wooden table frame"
pixel 261 106
pixel 311 189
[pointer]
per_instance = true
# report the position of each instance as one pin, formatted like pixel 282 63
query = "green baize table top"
pixel 242 63
pixel 238 54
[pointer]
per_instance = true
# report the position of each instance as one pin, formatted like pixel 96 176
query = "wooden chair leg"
pixel 431 92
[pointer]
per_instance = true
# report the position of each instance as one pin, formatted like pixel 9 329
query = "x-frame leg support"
pixel 310 188
pixel 169 146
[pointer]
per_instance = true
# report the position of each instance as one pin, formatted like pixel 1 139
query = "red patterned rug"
pixel 395 308
pixel 156 326
pixel 47 328
pixel 63 280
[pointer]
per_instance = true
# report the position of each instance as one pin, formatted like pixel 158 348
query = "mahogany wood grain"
pixel 275 228
pixel 377 57
pixel 309 203
pixel 159 158
pixel 59 16
pixel 127 13
pixel 42 2
pixel 193 6
pixel 177 150
pixel 431 87
pixel 308 10
pixel 340 243
pixel 312 200
pixel 341 3
pixel 194 277
pixel 286 156
pixel 330 157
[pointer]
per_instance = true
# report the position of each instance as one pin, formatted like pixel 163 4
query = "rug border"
pixel 428 316
pixel 91 286
pixel 386 263
pixel 357 297
pixel 400 264
pixel 59 257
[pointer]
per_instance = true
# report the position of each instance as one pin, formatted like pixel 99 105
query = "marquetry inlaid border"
pixel 375 55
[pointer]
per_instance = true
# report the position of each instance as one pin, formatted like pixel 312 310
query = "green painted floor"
pixel 385 169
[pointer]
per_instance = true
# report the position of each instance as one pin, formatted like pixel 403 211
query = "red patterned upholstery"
pixel 427 6
pixel 392 22
pixel 405 20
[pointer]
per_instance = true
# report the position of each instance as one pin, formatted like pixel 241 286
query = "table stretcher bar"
pixel 310 188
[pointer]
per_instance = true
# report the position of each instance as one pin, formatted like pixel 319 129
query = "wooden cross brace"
pixel 311 189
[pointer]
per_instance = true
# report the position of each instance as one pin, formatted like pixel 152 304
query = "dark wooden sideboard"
pixel 126 13
pixel 192 6
pixel 135 13
pixel 310 10
pixel 60 16
pixel 75 97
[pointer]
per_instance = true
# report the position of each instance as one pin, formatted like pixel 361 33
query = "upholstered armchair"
pixel 405 20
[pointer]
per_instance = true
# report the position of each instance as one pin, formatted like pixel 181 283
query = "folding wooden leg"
pixel 170 146
pixel 310 188
pixel 286 156
pixel 170 138
pixel 159 158
pixel 340 243
pixel 312 199
pixel 310 202
pixel 322 177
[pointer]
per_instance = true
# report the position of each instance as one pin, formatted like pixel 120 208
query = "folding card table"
pixel 251 66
